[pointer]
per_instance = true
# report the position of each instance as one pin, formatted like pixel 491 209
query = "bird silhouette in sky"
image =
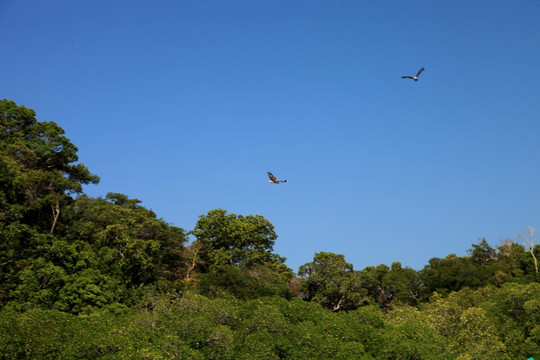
pixel 415 78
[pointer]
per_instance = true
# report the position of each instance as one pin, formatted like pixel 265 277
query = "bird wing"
pixel 272 177
pixel 407 77
pixel 419 72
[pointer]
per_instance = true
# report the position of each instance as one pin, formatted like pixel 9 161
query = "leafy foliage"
pixel 331 281
pixel 105 278
pixel 238 258
pixel 466 325
pixel 39 172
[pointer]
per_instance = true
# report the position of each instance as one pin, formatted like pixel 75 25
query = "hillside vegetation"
pixel 105 278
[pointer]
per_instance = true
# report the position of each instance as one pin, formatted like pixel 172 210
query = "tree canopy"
pixel 236 255
pixel 104 278
pixel 39 169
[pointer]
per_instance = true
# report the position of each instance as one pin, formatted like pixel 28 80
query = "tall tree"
pixel 39 174
pixel 131 242
pixel 453 273
pixel 482 253
pixel 237 255
pixel 527 239
pixel 236 239
pixel 40 163
pixel 330 281
pixel 391 285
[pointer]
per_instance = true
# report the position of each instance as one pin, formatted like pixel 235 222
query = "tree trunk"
pixel 56 212
pixel 535 261
pixel 527 240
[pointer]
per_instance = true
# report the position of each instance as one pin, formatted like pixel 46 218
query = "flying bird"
pixel 415 78
pixel 273 179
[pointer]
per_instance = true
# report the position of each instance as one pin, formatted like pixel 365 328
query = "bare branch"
pixel 7 262
pixel 195 249
pixel 527 239
pixel 338 305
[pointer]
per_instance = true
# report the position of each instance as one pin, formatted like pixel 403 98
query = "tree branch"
pixel 56 214
pixel 338 305
pixel 7 262
pixel 527 240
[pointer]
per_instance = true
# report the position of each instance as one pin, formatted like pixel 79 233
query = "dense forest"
pixel 105 278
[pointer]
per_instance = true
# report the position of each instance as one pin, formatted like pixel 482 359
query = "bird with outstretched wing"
pixel 415 78
pixel 273 179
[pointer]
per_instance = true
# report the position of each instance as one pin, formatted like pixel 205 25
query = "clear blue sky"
pixel 186 104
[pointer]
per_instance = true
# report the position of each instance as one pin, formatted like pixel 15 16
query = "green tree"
pixel 368 327
pixel 477 337
pixel 131 243
pixel 489 322
pixel 408 335
pixel 111 251
pixel 482 253
pixel 512 262
pixel 39 174
pixel 330 281
pixel 453 273
pixel 265 332
pixel 392 285
pixel 236 256
pixel 236 239
pixel 514 310
pixel 40 167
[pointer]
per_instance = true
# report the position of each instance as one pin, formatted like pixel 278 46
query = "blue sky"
pixel 186 104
